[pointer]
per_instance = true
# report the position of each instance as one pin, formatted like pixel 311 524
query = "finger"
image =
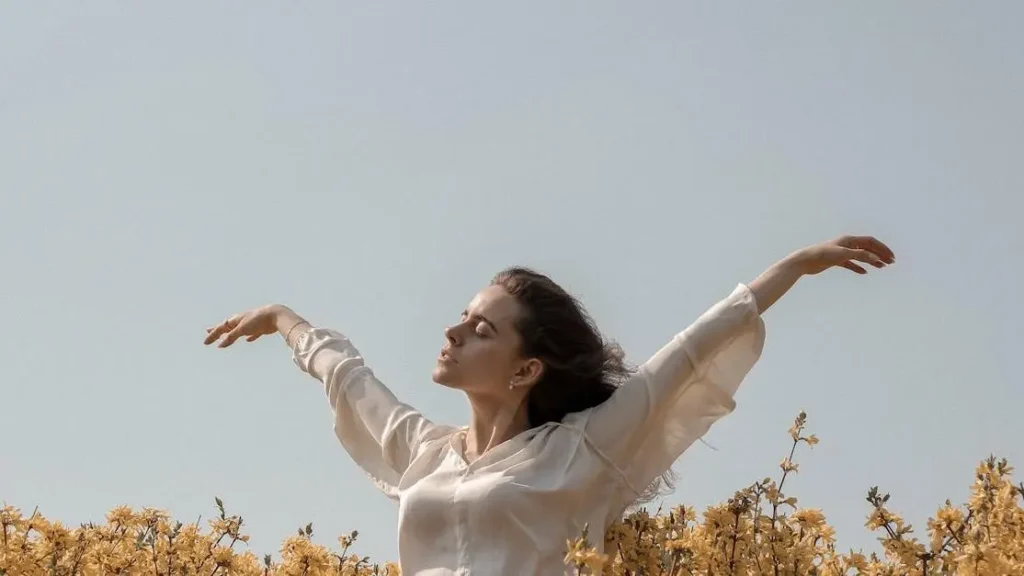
pixel 230 338
pixel 853 267
pixel 212 334
pixel 865 256
pixel 217 331
pixel 253 337
pixel 876 246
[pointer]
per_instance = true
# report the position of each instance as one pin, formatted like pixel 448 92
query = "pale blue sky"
pixel 371 165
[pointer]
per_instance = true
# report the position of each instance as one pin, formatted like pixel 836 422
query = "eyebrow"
pixel 483 318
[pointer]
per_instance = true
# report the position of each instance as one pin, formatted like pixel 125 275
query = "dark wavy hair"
pixel 581 368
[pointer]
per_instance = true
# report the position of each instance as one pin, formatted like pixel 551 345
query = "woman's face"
pixel 481 354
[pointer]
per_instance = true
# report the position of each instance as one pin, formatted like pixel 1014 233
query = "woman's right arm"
pixel 381 433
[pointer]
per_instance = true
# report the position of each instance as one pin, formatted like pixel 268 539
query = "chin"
pixel 442 377
pixel 446 378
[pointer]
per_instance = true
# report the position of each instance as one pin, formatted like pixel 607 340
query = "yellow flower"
pixel 223 555
pixel 809 517
pixel 120 514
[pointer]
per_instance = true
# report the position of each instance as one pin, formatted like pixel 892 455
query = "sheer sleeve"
pixel 682 390
pixel 381 434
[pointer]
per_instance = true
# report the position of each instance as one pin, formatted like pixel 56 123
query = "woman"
pixel 560 433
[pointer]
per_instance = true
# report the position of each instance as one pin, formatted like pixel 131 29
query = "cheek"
pixel 488 358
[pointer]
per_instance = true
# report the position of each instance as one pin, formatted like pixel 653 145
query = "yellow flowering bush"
pixel 760 530
pixel 147 542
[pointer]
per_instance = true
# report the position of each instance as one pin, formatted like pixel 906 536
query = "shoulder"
pixel 575 422
pixel 436 438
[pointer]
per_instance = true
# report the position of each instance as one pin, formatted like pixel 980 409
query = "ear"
pixel 529 372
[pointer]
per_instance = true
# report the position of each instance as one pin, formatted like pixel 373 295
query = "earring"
pixel 511 385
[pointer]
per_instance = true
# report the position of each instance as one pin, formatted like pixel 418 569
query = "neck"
pixel 493 421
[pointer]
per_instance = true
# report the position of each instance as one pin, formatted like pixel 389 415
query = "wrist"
pixel 281 316
pixel 275 312
pixel 286 322
pixel 798 262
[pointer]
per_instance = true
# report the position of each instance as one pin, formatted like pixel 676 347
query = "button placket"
pixel 461 510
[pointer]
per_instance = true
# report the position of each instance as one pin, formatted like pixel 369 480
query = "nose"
pixel 452 335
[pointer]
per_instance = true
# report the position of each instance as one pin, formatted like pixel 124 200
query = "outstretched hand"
pixel 845 252
pixel 251 324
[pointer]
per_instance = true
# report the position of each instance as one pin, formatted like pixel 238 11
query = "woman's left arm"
pixel 689 384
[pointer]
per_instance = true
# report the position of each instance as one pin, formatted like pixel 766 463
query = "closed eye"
pixel 465 316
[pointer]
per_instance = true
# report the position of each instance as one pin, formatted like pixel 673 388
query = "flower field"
pixel 760 530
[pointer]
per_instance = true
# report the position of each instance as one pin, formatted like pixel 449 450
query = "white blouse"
pixel 511 510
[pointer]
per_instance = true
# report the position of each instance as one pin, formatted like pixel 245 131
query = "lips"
pixel 444 356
